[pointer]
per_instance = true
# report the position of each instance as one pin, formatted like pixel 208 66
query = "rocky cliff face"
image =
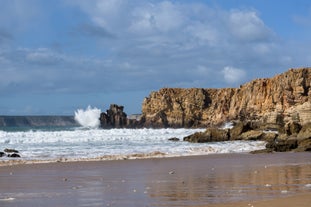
pixel 282 99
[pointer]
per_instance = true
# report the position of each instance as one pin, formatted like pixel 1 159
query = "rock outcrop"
pixel 114 117
pixel 273 101
pixel 276 141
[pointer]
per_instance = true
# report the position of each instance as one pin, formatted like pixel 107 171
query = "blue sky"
pixel 61 55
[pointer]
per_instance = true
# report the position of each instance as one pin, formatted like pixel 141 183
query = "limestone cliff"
pixel 278 100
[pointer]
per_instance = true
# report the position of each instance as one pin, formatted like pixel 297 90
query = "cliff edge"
pixel 279 100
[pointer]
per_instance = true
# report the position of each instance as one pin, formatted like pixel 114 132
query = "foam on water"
pixel 88 117
pixel 82 143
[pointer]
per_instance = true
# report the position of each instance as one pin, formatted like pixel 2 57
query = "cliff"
pixel 279 100
pixel 37 121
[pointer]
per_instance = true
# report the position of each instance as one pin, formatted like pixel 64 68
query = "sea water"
pixel 91 142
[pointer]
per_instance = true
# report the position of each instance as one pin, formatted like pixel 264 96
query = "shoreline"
pixel 217 180
pixel 136 156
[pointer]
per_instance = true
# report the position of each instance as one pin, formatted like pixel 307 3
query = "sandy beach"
pixel 223 180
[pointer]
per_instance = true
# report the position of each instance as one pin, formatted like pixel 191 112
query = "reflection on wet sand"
pixel 236 183
pixel 184 181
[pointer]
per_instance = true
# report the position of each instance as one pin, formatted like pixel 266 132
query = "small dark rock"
pixel 210 135
pixel 14 155
pixel 2 154
pixel 174 139
pixel 10 150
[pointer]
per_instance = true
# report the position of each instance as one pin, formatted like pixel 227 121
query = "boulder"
pixel 282 145
pixel 2 154
pixel 14 155
pixel 269 136
pixel 251 135
pixel 292 128
pixel 238 129
pixel 305 131
pixel 304 145
pixel 210 135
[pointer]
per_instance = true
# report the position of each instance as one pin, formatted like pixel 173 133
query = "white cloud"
pixel 247 26
pixel 233 75
pixel 141 45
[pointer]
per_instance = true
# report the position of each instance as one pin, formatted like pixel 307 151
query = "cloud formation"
pixel 93 47
pixel 233 75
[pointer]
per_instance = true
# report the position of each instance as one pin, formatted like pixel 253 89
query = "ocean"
pixel 84 140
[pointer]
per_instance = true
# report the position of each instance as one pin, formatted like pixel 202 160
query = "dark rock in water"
pixel 174 139
pixel 10 151
pixel 210 135
pixel 14 155
pixel 2 154
pixel 114 117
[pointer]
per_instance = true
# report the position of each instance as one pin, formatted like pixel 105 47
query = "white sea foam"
pixel 227 125
pixel 88 117
pixel 91 143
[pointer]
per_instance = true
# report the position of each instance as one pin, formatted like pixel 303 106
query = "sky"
pixel 61 55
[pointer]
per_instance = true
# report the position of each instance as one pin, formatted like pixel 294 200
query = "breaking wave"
pixel 89 117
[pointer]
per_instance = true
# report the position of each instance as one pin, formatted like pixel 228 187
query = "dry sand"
pixel 228 180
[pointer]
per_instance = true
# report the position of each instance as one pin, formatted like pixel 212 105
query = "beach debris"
pixel 268 185
pixel 308 185
pixel 171 172
pixel 65 179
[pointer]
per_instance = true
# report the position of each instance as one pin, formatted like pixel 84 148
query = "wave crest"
pixel 88 117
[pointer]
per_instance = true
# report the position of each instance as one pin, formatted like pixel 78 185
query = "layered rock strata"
pixel 275 101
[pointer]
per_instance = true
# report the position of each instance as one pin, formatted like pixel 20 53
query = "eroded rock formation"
pixel 275 101
pixel 114 117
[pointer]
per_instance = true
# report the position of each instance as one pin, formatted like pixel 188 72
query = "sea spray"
pixel 88 117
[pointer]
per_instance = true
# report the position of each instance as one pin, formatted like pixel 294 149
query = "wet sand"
pixel 228 180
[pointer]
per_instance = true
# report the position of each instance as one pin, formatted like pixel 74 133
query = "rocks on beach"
pixel 292 140
pixel 10 153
